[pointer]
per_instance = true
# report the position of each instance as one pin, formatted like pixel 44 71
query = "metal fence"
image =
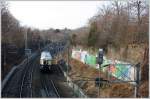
pixel 76 89
pixel 116 71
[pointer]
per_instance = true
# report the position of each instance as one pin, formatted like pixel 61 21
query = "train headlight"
pixel 41 62
pixel 49 62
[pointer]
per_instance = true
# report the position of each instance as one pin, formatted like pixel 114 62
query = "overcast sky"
pixel 54 14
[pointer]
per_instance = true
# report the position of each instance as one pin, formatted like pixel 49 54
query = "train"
pixel 51 57
pixel 47 61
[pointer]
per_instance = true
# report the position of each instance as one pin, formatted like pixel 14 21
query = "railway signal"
pixel 12 48
pixel 27 52
pixel 99 61
pixel 100 57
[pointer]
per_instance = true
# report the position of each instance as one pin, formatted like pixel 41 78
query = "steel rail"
pixel 31 74
pixel 30 71
pixel 46 90
pixel 22 84
pixel 55 89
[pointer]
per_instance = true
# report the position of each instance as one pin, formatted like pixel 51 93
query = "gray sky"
pixel 54 14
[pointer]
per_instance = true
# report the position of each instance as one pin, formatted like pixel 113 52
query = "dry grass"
pixel 79 70
pixel 144 89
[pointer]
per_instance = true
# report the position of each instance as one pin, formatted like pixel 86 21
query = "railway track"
pixel 21 83
pixel 48 82
pixel 56 90
pixel 26 82
pixel 49 87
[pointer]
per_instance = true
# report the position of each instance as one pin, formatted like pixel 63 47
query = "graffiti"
pixel 112 68
pixel 76 55
pixel 83 56
pixel 90 60
pixel 118 69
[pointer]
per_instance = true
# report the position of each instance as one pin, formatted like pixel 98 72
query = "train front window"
pixel 46 62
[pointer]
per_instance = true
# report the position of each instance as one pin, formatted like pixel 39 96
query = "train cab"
pixel 45 61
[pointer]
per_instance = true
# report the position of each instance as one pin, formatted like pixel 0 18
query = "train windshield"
pixel 45 58
pixel 46 55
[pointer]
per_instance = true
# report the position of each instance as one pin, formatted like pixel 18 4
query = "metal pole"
pixel 68 52
pixel 100 61
pixel 4 54
pixel 26 41
pixel 68 61
pixel 27 60
pixel 99 82
pixel 26 45
pixel 135 83
pixel 137 78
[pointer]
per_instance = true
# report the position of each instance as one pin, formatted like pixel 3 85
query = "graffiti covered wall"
pixel 121 70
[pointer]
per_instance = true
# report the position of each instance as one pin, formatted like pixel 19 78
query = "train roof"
pixel 46 55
